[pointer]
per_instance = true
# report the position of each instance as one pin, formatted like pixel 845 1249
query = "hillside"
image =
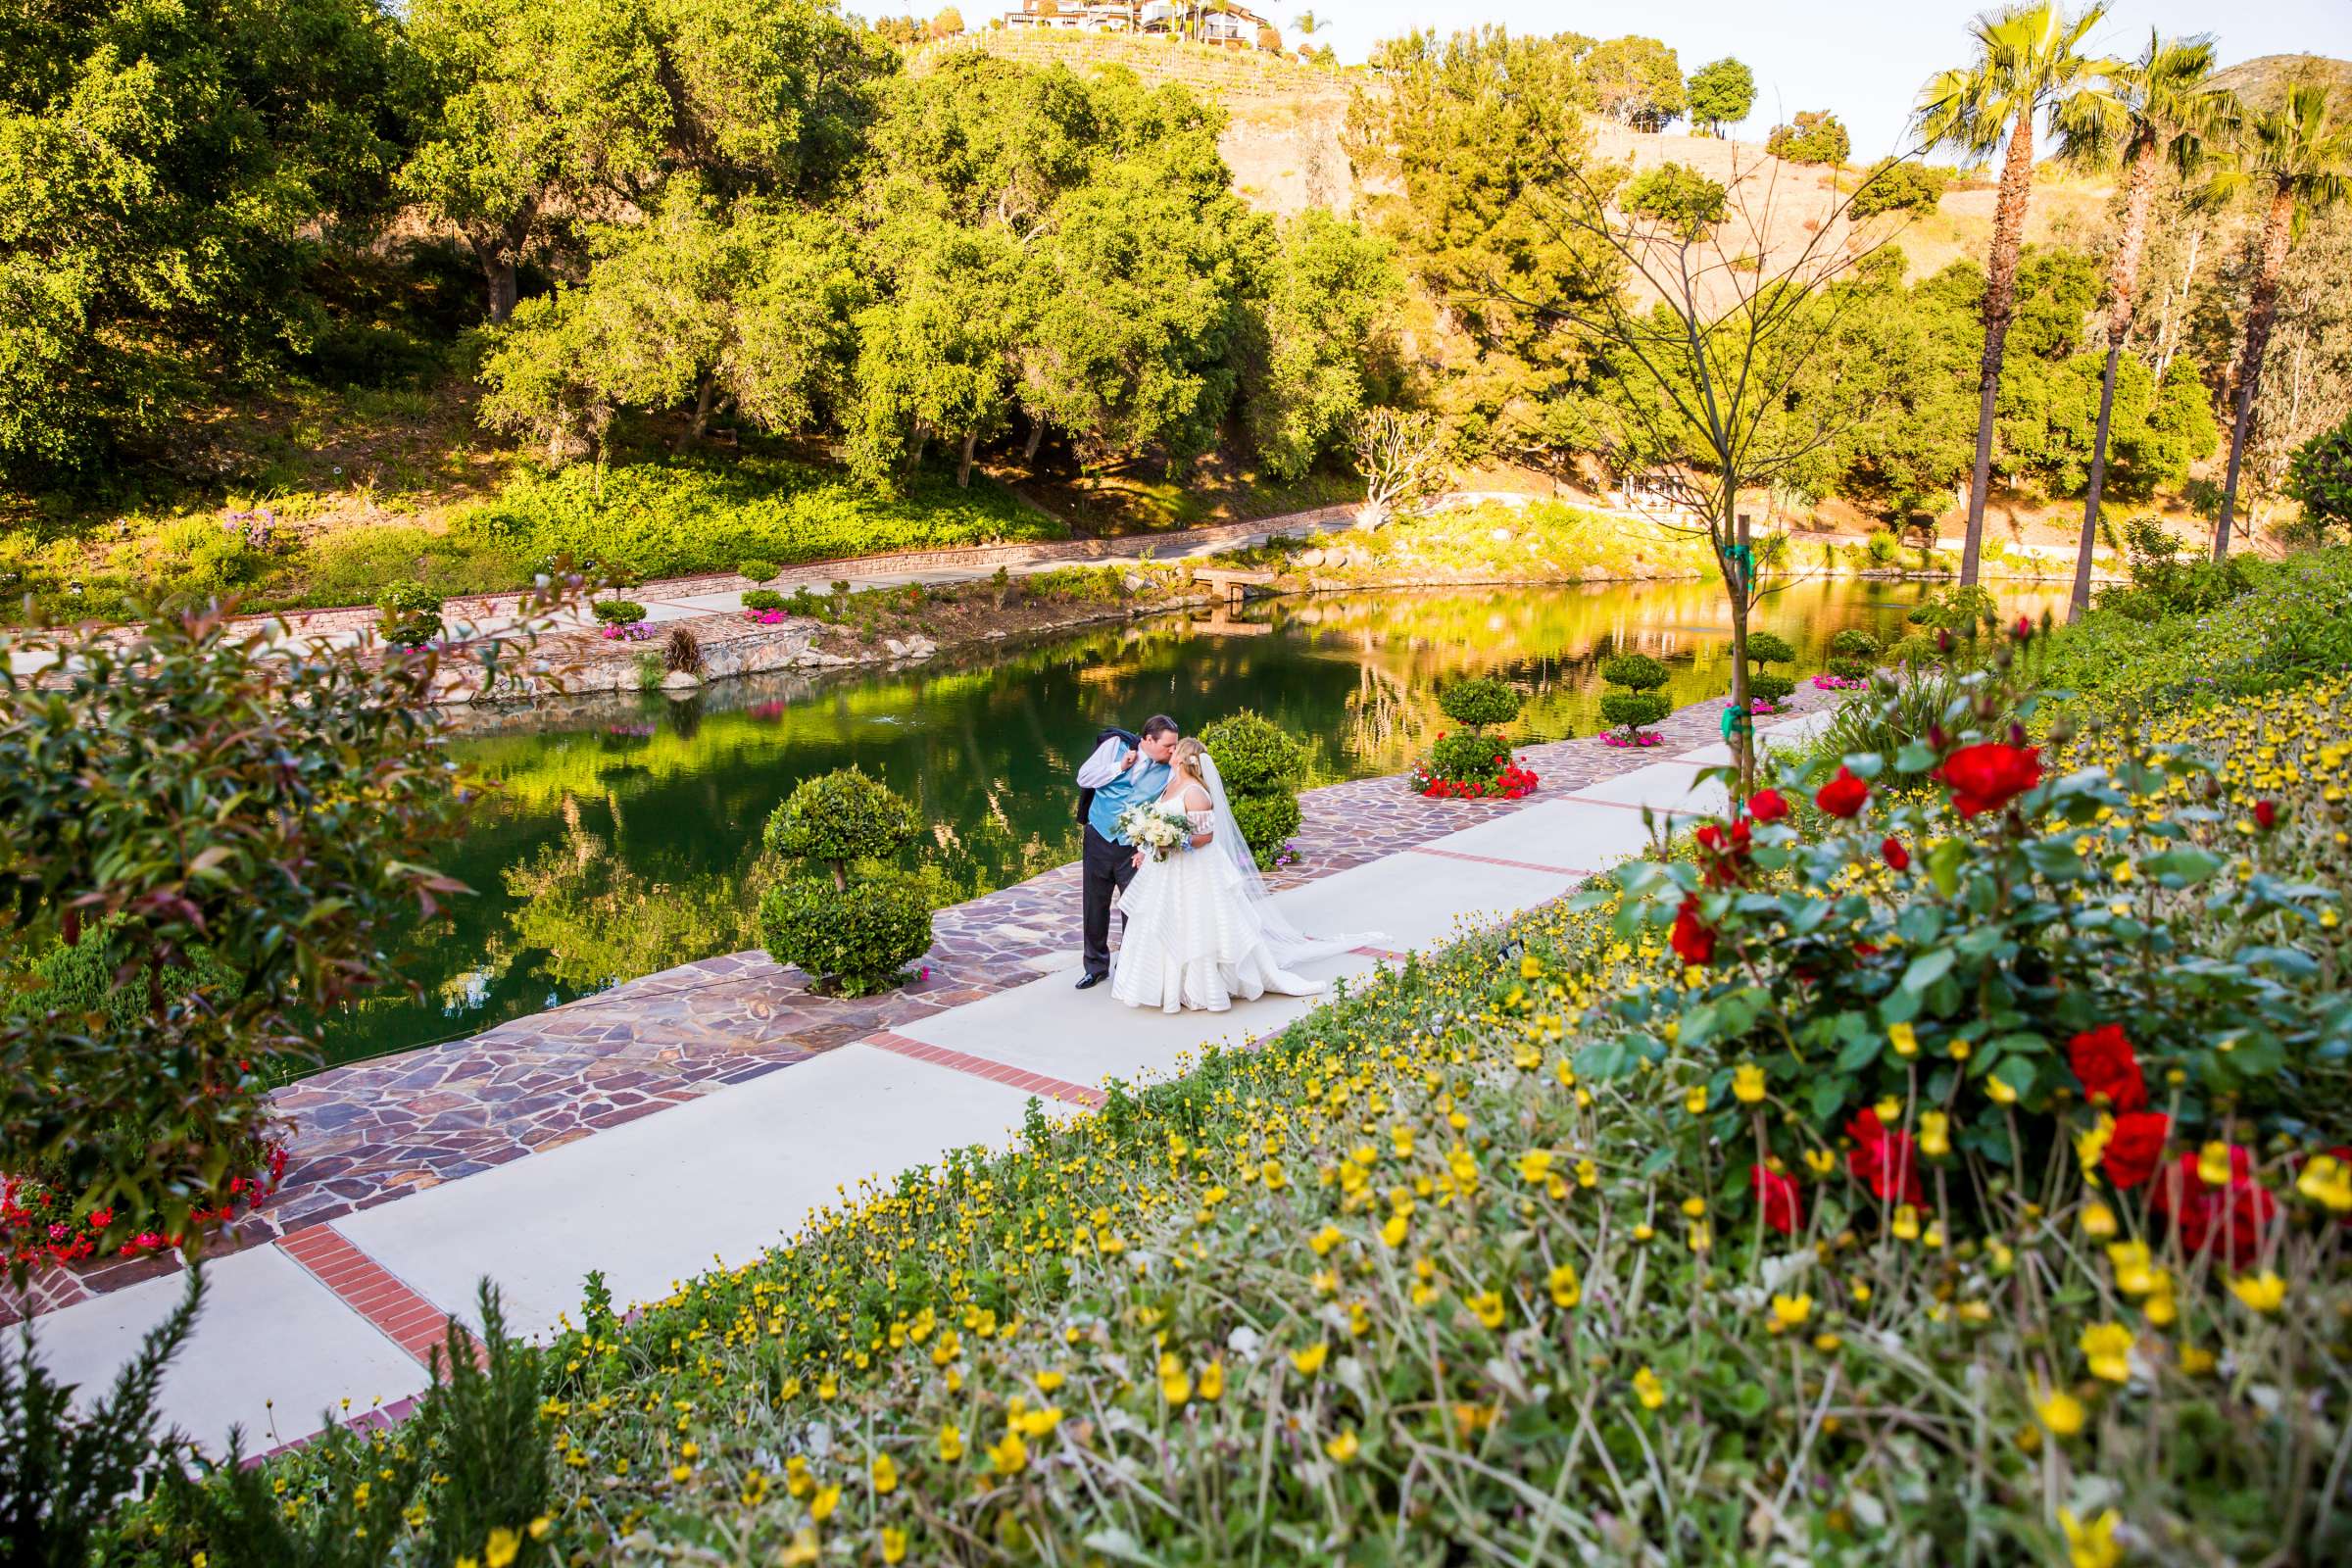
pixel 2262 81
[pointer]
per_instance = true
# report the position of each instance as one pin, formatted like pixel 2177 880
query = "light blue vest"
pixel 1136 784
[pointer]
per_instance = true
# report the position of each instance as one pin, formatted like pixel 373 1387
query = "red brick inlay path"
pixel 995 1072
pixel 368 1288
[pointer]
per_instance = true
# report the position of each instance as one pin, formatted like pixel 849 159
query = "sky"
pixel 1864 58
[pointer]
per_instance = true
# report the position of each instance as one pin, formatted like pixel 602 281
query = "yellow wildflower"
pixel 1748 1083
pixel 1343 1448
pixel 821 1506
pixel 500 1549
pixel 2263 1292
pixel 886 1474
pixel 893 1545
pixel 1309 1361
pixel 2108 1349
pixel 1324 1240
pixel 1649 1390
pixel 2328 1181
pixel 1935 1133
pixel 1903 1038
pixel 1010 1456
pixel 1213 1380
pixel 1562 1284
pixel 1175 1382
pixel 1791 1312
pixel 951 1444
pixel 2061 1412
pixel 2092 1545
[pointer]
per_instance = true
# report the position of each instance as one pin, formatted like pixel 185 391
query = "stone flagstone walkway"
pixel 660 1135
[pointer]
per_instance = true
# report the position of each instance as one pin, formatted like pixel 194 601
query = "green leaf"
pixel 1943 865
pixel 1928 969
pixel 1916 756
pixel 1860 1053
pixel 2181 867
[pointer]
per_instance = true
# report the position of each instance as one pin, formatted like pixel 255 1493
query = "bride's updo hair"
pixel 1185 760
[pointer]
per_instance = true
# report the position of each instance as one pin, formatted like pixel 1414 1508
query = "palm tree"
pixel 2027 65
pixel 2299 160
pixel 2156 110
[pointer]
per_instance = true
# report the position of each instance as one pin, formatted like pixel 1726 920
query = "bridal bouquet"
pixel 1157 827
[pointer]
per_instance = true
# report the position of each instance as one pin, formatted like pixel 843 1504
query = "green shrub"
pixel 858 938
pixel 1817 137
pixel 618 611
pixel 1635 671
pixel 1772 688
pixel 1471 754
pixel 1882 548
pixel 1262 768
pixel 1965 612
pixel 1853 654
pixel 764 598
pixel 1633 711
pixel 756 571
pixel 855 927
pixel 1763 648
pixel 411 614
pixel 1479 702
pixel 1897 187
pixel 2319 477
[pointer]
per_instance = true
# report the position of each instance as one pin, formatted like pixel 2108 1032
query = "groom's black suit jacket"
pixel 1086 798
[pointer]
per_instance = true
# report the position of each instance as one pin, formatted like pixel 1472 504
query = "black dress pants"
pixel 1103 866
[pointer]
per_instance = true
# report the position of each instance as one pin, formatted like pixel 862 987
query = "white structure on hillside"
pixel 1231 26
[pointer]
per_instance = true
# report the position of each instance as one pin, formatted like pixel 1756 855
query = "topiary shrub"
pixel 411 615
pixel 1262 768
pixel 1763 648
pixel 758 570
pixel 1472 763
pixel 1641 705
pixel 1479 702
pixel 1767 687
pixel 851 919
pixel 761 600
pixel 618 611
pixel 1852 653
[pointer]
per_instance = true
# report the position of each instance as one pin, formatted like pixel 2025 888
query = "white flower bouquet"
pixel 1157 827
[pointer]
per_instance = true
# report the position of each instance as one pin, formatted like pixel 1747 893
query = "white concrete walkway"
pixel 718 1179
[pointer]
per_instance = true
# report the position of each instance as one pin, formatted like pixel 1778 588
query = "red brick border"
pixel 368 1288
pixel 1489 860
pixel 981 1067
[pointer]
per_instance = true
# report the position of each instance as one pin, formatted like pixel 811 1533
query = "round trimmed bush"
pixel 762 600
pixel 1913 650
pixel 1261 768
pixel 842 817
pixel 1763 648
pixel 1468 756
pixel 1635 671
pixel 1635 709
pixel 1772 688
pixel 855 940
pixel 756 571
pixel 411 614
pixel 1479 702
pixel 618 611
pixel 1852 653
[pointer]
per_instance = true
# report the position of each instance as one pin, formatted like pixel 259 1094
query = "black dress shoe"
pixel 1085 981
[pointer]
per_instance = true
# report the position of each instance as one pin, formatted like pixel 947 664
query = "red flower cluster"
pixel 2136 1146
pixel 2234 1214
pixel 1768 806
pixel 1515 782
pixel 1694 939
pixel 1723 851
pixel 1783 1203
pixel 1987 777
pixel 38 1222
pixel 1842 796
pixel 1897 858
pixel 1884 1160
pixel 2109 1068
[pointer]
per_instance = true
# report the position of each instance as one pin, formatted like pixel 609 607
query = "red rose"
pixel 1842 796
pixel 1767 805
pixel 2109 1069
pixel 2136 1148
pixel 2265 814
pixel 1783 1205
pixel 1987 777
pixel 1693 938
pixel 2234 1216
pixel 1891 850
pixel 1883 1159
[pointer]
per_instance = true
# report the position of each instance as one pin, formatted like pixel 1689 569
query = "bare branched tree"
pixel 1728 381
pixel 1401 454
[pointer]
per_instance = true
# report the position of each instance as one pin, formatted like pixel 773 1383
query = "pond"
pixel 622 837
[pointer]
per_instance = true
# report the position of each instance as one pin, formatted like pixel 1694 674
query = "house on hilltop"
pixel 1231 26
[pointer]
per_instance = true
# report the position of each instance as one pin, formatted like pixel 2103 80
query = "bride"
pixel 1200 929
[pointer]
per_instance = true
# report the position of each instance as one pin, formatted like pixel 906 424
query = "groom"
pixel 1112 780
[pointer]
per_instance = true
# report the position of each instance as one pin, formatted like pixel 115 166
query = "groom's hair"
pixel 1159 724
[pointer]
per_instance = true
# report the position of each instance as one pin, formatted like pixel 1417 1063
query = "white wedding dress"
pixel 1200 932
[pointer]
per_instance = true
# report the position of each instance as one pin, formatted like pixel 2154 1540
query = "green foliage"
pixel 2319 477
pixel 1262 768
pixel 1331 292
pixel 1635 671
pixel 1677 198
pixel 63 1469
pixel 1721 93
pixel 411 614
pixel 1897 185
pixel 618 611
pixel 1965 612
pixel 858 938
pixel 762 598
pixel 1764 648
pixel 680 518
pixel 200 788
pixel 485 1426
pixel 78 979
pixel 2163 584
pixel 841 818
pixel 756 570
pixel 1637 81
pixel 858 927
pixel 1632 711
pixel 2293 625
pixel 1854 652
pixel 1468 754
pixel 1772 688
pixel 161 172
pixel 1817 137
pixel 1479 702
